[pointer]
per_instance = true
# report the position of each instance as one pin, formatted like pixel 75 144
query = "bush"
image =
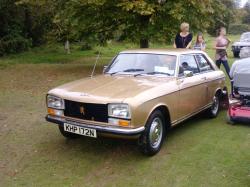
pixel 85 46
pixel 14 44
pixel 238 28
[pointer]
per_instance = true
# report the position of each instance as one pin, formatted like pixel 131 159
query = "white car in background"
pixel 245 52
pixel 243 43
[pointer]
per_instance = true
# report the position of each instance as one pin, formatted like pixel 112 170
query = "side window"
pixel 203 63
pixel 188 63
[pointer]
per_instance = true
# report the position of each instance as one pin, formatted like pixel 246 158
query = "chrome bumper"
pixel 100 129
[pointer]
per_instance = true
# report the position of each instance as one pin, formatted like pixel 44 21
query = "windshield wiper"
pixel 127 70
pixel 153 73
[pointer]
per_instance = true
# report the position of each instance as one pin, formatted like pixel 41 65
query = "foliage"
pixel 22 25
pixel 246 19
pixel 54 53
pixel 97 21
pixel 12 34
pixel 238 28
pixel 13 43
pixel 139 20
pixel 224 11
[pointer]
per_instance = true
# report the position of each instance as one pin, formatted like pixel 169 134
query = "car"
pixel 244 42
pixel 141 95
pixel 245 52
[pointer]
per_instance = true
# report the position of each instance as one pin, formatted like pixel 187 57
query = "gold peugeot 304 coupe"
pixel 140 95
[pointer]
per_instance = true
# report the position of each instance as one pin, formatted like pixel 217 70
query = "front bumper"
pixel 109 130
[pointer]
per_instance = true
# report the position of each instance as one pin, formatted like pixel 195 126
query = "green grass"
pixel 199 152
pixel 55 53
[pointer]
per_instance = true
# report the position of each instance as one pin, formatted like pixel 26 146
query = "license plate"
pixel 80 130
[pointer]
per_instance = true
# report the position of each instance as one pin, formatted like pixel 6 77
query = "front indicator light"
pixel 55 112
pixel 119 122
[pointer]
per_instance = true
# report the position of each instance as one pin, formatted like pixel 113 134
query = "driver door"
pixel 193 91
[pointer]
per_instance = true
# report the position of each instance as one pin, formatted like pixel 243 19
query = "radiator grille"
pixel 86 111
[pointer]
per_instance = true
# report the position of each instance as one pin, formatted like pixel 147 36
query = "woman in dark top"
pixel 184 38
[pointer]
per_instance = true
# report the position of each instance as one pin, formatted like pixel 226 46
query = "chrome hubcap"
pixel 155 135
pixel 215 106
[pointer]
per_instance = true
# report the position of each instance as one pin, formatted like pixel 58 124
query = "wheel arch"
pixel 165 111
pixel 223 96
pixel 218 91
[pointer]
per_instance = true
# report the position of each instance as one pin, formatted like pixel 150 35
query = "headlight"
pixel 119 111
pixel 55 102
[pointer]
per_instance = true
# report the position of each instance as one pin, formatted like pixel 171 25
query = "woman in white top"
pixel 200 43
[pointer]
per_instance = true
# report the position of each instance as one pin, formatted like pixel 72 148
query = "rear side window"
pixel 188 63
pixel 203 63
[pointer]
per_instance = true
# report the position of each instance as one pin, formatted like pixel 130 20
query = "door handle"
pixel 180 81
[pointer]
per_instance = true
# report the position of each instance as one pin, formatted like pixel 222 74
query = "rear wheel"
pixel 213 111
pixel 67 134
pixel 151 140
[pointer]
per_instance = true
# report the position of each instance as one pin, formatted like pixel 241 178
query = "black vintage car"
pixel 244 42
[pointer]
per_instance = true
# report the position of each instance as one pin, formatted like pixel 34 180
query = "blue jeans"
pixel 225 64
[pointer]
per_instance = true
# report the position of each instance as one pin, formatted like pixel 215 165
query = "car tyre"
pixel 236 54
pixel 152 138
pixel 213 111
pixel 66 134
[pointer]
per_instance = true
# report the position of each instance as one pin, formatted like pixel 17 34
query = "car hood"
pixel 116 88
pixel 241 43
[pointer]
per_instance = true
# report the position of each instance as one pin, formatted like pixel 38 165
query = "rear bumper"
pixel 239 114
pixel 240 119
pixel 109 130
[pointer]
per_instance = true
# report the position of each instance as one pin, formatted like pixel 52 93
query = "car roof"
pixel 161 51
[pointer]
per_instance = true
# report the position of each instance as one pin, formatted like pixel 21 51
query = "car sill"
pixel 190 115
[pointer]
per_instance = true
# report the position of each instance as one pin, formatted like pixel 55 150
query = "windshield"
pixel 245 37
pixel 143 64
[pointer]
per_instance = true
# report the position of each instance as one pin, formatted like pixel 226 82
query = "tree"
pixel 223 15
pixel 138 20
pixel 22 26
pixel 101 20
pixel 12 30
pixel 246 19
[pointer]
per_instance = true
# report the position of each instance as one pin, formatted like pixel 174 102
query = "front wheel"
pixel 151 140
pixel 213 111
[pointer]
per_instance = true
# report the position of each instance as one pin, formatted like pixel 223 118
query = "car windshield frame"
pixel 140 71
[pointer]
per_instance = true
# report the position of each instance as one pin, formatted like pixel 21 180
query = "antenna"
pixel 97 58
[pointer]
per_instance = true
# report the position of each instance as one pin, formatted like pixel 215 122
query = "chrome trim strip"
pixel 108 129
pixel 191 115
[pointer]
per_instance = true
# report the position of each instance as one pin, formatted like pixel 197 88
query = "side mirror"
pixel 104 69
pixel 188 73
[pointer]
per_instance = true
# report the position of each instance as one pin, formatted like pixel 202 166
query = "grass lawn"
pixel 199 152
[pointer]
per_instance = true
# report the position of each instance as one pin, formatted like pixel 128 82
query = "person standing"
pixel 221 45
pixel 200 43
pixel 184 38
